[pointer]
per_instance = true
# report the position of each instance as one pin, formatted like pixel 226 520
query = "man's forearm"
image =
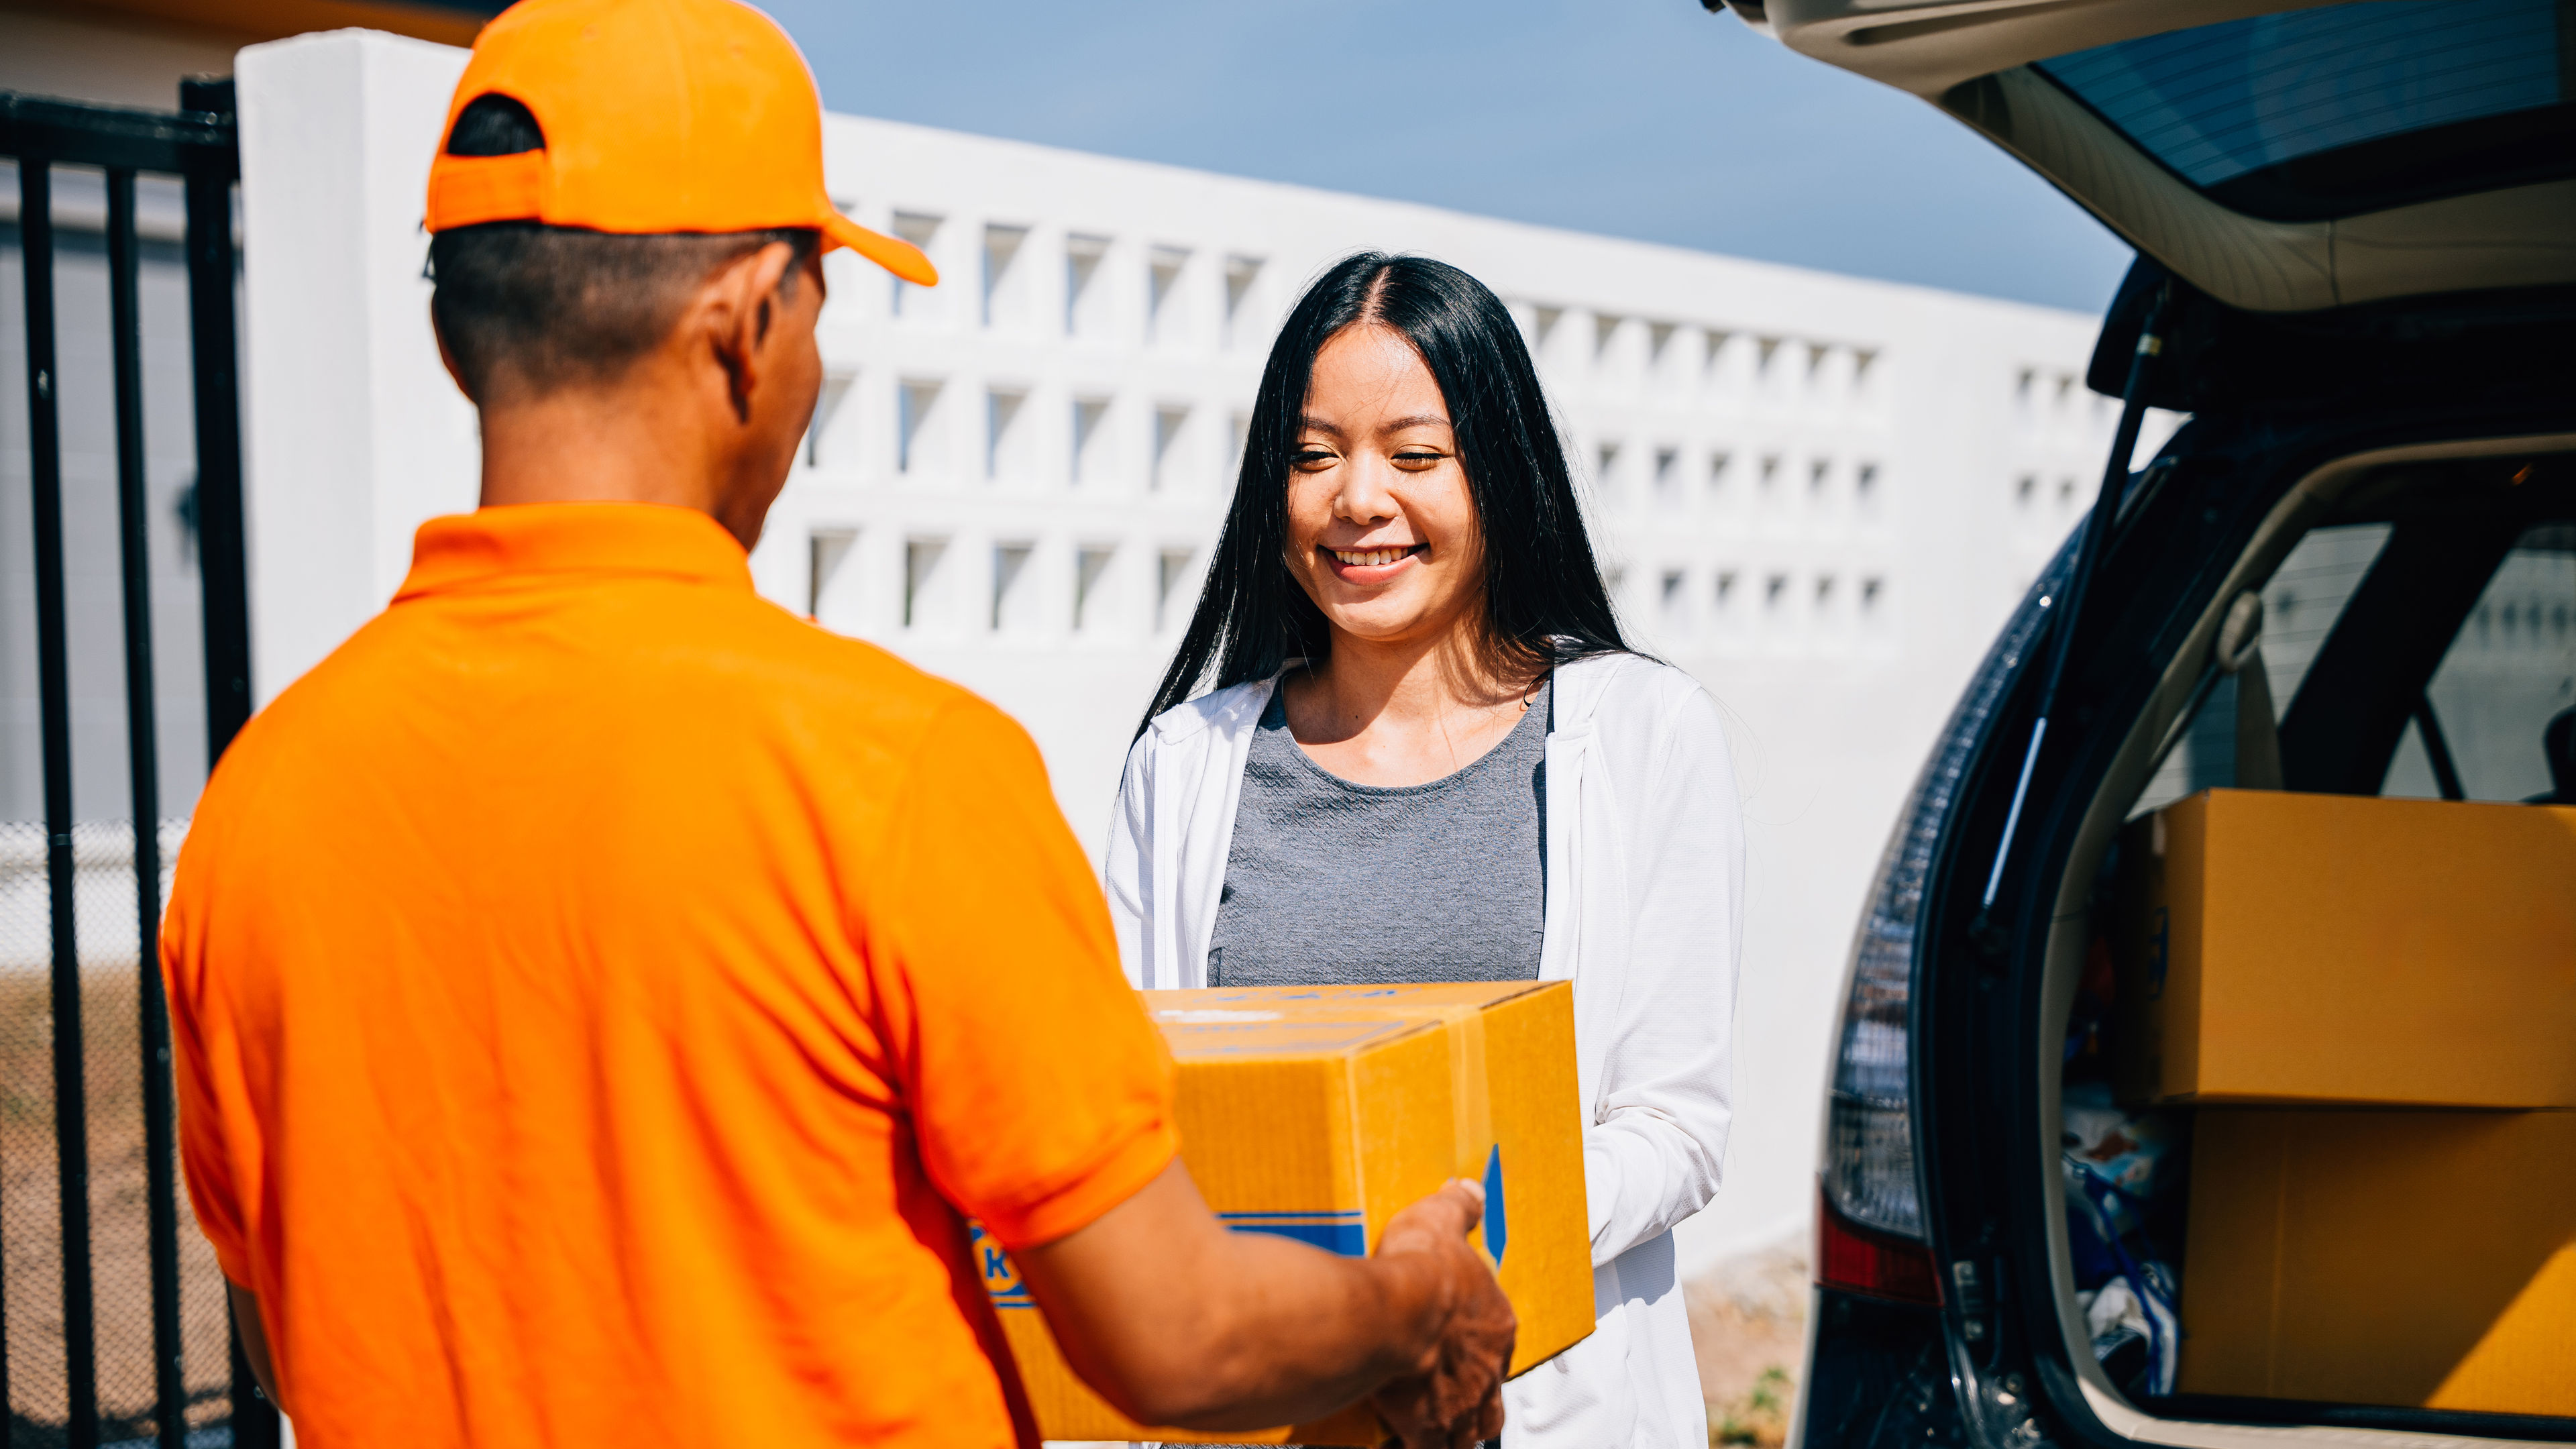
pixel 1178 1321
pixel 1294 1333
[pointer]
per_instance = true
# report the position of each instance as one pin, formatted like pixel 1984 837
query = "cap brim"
pixel 892 253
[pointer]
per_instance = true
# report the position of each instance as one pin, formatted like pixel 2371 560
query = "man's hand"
pixel 1176 1320
pixel 1456 1399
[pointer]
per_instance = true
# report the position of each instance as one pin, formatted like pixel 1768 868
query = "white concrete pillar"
pixel 353 433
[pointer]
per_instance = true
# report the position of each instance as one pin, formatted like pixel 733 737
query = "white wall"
pixel 356 436
pixel 352 433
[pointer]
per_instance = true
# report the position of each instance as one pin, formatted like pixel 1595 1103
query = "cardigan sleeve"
pixel 1655 1148
pixel 1127 875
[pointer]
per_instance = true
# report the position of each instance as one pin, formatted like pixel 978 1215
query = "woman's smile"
pixel 1371 565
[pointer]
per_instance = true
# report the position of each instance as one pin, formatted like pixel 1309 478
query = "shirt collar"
pixel 466 550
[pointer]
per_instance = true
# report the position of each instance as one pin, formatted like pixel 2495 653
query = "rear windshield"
pixel 2346 108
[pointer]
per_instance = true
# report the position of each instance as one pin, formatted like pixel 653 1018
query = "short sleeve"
pixel 205 1153
pixel 1040 1093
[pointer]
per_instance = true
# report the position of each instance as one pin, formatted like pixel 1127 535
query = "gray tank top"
pixel 1328 882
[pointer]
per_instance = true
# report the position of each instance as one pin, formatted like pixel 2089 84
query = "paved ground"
pixel 1748 1321
pixel 31 1233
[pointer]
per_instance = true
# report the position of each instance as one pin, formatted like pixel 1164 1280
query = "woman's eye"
pixel 1416 460
pixel 1310 458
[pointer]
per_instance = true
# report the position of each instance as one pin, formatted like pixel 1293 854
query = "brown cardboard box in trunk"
pixel 2381 1257
pixel 2332 948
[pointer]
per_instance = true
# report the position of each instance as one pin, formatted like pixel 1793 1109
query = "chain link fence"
pixel 30 1197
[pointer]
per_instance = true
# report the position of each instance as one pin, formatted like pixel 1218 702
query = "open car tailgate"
pixel 2281 158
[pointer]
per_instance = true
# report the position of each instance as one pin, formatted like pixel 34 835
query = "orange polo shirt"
pixel 600 995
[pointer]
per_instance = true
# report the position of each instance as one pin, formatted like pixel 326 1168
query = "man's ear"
pixel 447 359
pixel 737 308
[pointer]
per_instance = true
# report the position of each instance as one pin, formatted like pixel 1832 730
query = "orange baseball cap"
pixel 659 116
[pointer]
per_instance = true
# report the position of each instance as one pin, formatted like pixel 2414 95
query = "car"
pixel 2346 580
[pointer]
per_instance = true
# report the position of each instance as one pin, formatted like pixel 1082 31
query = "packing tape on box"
pixel 1478 1156
pixel 1470 1103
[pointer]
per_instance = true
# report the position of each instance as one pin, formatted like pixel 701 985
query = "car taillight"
pixel 1870 1182
pixel 1856 1260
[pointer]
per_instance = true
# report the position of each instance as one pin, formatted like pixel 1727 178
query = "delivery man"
pixel 603 998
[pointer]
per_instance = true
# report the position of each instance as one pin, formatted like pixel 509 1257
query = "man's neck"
pixel 618 444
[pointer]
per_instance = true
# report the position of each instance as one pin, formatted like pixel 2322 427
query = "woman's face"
pixel 1381 532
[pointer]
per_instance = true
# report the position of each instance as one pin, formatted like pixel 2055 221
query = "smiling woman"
pixel 1426 754
pixel 1356 392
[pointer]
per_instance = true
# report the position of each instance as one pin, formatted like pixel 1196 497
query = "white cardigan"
pixel 1644 914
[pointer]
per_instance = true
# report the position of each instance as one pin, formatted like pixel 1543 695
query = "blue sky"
pixel 1640 118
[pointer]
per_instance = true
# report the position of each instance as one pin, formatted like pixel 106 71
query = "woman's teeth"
pixel 1362 558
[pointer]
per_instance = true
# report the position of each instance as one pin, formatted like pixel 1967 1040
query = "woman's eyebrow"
pixel 1418 420
pixel 1318 425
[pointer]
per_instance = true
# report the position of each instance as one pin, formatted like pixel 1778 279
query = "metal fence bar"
pixel 71 1119
pixel 142 742
pixel 223 572
pixel 81 133
pixel 223 561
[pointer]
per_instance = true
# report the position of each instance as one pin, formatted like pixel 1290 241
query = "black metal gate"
pixel 148 1388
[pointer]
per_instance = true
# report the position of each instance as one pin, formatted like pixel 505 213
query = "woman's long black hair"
pixel 1544 600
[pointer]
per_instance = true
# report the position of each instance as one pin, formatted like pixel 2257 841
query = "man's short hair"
pixel 536 308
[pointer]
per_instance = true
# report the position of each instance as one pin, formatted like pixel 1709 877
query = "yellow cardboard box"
pixel 2383 1257
pixel 2332 948
pixel 1318 1112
